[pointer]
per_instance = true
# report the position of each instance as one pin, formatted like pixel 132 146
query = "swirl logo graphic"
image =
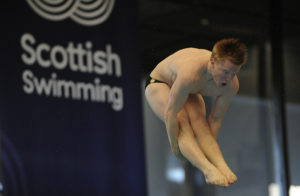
pixel 84 12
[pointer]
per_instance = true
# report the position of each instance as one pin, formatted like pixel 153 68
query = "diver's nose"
pixel 228 78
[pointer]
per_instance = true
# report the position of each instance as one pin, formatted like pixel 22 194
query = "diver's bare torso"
pixel 194 61
pixel 190 74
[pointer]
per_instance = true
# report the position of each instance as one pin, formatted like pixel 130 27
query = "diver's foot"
pixel 231 177
pixel 215 177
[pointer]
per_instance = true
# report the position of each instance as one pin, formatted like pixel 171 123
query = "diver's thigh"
pixel 157 95
pixel 195 107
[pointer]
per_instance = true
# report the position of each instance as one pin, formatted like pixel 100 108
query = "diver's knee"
pixel 182 119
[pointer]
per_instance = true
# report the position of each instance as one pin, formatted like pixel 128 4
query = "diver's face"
pixel 224 72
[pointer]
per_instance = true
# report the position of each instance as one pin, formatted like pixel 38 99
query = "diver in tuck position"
pixel 174 92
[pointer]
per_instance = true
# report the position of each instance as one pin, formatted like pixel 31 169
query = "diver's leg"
pixel 195 108
pixel 192 152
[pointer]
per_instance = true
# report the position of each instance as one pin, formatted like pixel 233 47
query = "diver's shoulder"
pixel 196 50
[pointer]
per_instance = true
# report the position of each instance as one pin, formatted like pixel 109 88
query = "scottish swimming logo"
pixel 84 12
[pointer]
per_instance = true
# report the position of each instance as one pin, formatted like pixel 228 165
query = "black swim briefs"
pixel 152 80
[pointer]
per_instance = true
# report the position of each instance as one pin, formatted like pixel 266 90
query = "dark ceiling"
pixel 168 25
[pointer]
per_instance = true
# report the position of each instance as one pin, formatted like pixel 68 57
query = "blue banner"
pixel 70 103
